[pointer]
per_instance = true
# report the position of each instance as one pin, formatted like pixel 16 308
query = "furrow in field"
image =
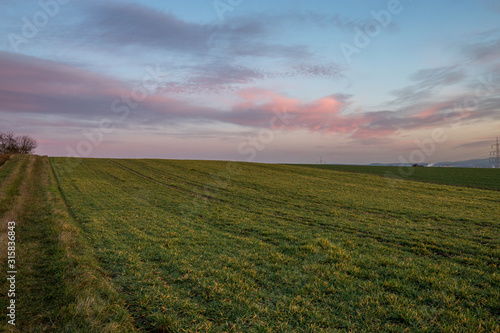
pixel 195 187
pixel 179 177
pixel 11 174
pixel 170 172
pixel 174 187
pixel 9 169
pixel 10 201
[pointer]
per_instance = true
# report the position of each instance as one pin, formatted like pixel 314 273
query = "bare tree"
pixel 2 143
pixel 11 144
pixel 8 143
pixel 27 144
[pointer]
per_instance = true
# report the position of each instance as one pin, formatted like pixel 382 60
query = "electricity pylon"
pixel 496 153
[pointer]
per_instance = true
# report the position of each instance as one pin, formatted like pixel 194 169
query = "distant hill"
pixel 476 163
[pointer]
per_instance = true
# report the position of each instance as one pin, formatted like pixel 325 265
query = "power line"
pixel 496 153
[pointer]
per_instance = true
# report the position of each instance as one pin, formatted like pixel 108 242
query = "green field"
pixel 207 246
pixel 469 177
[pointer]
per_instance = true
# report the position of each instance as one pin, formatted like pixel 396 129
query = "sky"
pixel 287 81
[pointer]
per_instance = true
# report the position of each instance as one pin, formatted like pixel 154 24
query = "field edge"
pixel 421 175
pixel 61 286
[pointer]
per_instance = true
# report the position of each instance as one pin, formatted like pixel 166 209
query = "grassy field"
pixel 60 287
pixel 469 177
pixel 205 246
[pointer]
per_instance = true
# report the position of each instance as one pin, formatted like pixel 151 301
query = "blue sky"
pixel 280 81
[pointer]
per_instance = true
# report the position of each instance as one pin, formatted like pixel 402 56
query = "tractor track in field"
pixel 191 193
pixel 198 184
pixel 178 189
pixel 12 174
pixel 210 185
pixel 11 182
pixel 242 207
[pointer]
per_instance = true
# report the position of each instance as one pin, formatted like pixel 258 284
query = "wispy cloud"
pixel 127 25
pixel 476 144
pixel 428 82
pixel 219 77
pixel 481 47
pixel 209 57
pixel 34 86
pixel 435 77
pixel 485 52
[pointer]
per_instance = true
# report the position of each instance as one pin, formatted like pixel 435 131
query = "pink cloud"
pixel 325 115
pixel 51 79
pixel 252 97
pixel 32 85
pixel 433 110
